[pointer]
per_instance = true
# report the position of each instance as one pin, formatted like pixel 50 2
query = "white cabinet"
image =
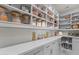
pixel 37 51
pixel 75 46
pixel 66 52
pixel 52 48
pixel 66 46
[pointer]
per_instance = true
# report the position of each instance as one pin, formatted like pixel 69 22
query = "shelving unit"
pixel 43 14
pixel 70 21
pixel 38 19
pixel 66 45
pixel 65 22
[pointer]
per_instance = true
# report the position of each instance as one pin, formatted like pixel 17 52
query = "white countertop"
pixel 25 47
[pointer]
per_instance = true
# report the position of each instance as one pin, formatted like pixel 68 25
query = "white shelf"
pixel 19 25
pixel 67 29
pixel 75 15
pixel 74 20
pixel 65 24
pixel 64 20
pixel 14 25
pixel 49 21
pixel 38 17
pixel 41 18
pixel 14 9
pixel 43 28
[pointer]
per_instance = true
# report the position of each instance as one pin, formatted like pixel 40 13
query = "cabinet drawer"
pixel 37 51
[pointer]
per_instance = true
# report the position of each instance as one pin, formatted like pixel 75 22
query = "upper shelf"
pixel 11 8
pixel 19 25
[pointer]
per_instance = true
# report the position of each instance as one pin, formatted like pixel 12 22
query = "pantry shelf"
pixel 13 25
pixel 23 26
pixel 66 29
pixel 21 18
pixel 38 17
pixel 11 8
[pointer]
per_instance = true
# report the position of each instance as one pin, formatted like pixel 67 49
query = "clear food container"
pixel 3 14
pixel 16 17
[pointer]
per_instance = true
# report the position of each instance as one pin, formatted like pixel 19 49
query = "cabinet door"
pixel 37 51
pixel 75 46
pixel 55 47
pixel 48 49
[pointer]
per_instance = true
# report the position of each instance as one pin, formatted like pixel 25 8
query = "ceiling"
pixel 63 8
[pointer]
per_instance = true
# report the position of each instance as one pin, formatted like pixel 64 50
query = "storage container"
pixel 3 14
pixel 16 17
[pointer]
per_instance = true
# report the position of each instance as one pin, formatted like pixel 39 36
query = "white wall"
pixel 11 36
